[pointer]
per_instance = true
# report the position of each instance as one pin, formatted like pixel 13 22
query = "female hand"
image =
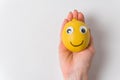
pixel 75 66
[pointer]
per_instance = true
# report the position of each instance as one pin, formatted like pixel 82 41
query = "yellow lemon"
pixel 75 35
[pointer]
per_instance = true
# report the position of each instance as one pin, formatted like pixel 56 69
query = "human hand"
pixel 75 66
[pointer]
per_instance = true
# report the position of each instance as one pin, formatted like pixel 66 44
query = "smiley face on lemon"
pixel 75 35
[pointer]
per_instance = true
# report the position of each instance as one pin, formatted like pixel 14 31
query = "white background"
pixel 29 37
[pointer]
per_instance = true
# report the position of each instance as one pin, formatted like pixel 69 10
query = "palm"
pixel 74 62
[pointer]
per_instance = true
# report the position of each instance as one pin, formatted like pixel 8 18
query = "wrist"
pixel 77 76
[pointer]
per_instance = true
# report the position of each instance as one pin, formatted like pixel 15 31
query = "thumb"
pixel 64 53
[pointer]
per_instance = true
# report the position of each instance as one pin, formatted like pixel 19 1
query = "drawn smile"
pixel 76 45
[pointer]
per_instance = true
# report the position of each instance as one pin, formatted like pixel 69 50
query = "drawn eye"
pixel 83 29
pixel 69 30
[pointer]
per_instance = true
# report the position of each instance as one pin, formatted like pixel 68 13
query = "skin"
pixel 75 66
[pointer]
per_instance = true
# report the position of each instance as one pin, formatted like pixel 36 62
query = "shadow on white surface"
pixel 99 42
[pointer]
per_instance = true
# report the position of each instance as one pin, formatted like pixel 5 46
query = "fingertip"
pixel 64 22
pixel 80 16
pixel 70 16
pixel 75 14
pixel 75 10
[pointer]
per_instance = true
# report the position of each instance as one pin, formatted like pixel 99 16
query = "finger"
pixel 75 14
pixel 64 53
pixel 91 45
pixel 80 17
pixel 64 22
pixel 70 16
pixel 62 48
